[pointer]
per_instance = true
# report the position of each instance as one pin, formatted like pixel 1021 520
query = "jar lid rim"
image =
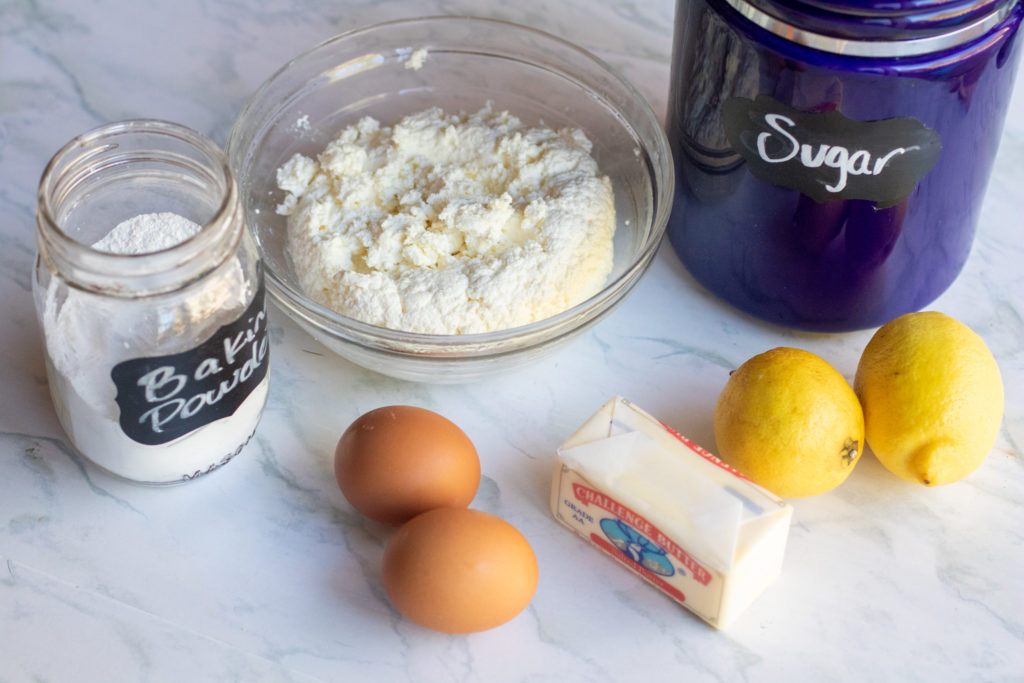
pixel 889 8
pixel 876 28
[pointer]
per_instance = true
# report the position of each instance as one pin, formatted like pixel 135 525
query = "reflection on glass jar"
pixel 832 156
pixel 149 293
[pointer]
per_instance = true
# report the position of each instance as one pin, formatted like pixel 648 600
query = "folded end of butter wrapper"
pixel 670 511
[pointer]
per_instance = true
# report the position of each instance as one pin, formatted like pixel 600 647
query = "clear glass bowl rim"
pixel 500 341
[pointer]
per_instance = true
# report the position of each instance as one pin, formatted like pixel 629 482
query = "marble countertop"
pixel 262 572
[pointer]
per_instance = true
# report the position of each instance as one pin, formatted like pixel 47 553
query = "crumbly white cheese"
pixel 449 223
pixel 416 59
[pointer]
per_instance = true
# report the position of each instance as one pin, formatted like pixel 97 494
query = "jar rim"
pixel 876 28
pixel 888 8
pixel 131 274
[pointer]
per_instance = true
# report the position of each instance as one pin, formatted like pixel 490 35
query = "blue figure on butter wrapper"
pixel 636 546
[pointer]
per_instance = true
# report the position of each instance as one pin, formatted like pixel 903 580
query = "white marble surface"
pixel 262 572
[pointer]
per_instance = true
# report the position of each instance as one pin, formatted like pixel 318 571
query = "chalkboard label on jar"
pixel 826 155
pixel 162 398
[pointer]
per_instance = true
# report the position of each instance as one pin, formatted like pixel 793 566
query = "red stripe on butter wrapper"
pixel 638 568
pixel 704 453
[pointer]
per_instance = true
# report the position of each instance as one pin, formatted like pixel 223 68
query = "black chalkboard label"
pixel 826 155
pixel 164 397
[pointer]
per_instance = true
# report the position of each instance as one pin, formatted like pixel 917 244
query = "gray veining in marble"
pixel 262 571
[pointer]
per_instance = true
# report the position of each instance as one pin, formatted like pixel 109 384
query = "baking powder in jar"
pixel 149 293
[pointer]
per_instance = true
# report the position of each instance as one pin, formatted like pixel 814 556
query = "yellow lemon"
pixel 790 422
pixel 932 397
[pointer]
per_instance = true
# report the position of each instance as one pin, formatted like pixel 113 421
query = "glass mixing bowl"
pixel 537 77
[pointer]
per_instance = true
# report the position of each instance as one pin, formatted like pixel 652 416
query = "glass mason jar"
pixel 832 155
pixel 156 346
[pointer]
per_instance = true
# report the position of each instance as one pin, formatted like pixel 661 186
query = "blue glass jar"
pixel 832 155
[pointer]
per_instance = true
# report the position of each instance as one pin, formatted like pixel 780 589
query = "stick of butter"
pixel 670 511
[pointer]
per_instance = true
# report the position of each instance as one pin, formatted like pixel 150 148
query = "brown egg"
pixel 457 570
pixel 398 461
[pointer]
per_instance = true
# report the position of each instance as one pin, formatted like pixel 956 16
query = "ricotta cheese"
pixel 416 59
pixel 449 223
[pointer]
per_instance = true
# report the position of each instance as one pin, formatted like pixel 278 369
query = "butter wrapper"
pixel 670 511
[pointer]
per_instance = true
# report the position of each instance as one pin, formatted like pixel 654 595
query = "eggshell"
pixel 457 570
pixel 395 462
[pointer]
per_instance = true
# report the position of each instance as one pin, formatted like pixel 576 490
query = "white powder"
pixel 88 334
pixel 146 233
pixel 449 223
pixel 101 439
